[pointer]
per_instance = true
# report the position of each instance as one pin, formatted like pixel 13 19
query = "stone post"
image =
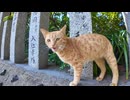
pixel 2 15
pixel 17 45
pixel 5 51
pixel 81 23
pixel 38 52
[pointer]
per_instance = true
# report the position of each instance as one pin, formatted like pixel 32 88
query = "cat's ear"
pixel 44 32
pixel 63 30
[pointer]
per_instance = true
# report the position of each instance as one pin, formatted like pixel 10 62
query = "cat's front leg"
pixel 77 75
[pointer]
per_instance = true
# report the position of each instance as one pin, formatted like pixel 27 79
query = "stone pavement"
pixel 24 75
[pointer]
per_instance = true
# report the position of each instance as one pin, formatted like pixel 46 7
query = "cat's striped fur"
pixel 76 51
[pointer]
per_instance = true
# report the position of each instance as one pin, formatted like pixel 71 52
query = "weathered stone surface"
pixel 81 23
pixel 38 52
pixel 17 45
pixel 88 71
pixel 5 44
pixel 34 77
pixel 2 15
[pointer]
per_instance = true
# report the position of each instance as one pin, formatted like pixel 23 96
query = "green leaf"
pixel 6 18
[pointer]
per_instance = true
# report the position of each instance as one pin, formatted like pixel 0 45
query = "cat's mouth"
pixel 54 49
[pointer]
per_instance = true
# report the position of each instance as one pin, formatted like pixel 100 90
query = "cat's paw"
pixel 99 79
pixel 72 84
pixel 113 84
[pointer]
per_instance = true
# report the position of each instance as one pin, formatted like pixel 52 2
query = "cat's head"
pixel 55 40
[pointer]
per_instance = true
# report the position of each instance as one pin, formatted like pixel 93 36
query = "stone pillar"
pixel 17 45
pixel 126 17
pixel 38 52
pixel 2 15
pixel 5 51
pixel 81 23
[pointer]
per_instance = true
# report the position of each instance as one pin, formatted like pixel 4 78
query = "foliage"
pixel 57 21
pixel 109 24
pixel 9 17
pixel 112 26
pixel 53 58
pixel 27 35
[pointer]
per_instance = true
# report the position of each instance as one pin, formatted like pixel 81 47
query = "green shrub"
pixel 57 21
pixel 112 26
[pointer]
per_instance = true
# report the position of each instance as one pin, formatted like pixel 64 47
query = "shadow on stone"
pixel 40 85
pixel 15 78
pixel 1 84
pixel 3 72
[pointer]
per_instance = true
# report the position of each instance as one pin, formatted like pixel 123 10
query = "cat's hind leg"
pixel 111 60
pixel 101 64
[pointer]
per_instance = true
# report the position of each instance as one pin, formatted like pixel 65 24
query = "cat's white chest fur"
pixel 61 58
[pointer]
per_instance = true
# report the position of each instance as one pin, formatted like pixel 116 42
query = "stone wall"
pixel 2 15
pixel 81 23
pixel 5 43
pixel 12 46
pixel 17 45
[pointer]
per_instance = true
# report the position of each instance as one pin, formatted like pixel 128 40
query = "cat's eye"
pixel 57 39
pixel 48 40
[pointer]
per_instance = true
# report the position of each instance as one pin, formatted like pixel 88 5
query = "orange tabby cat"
pixel 77 50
